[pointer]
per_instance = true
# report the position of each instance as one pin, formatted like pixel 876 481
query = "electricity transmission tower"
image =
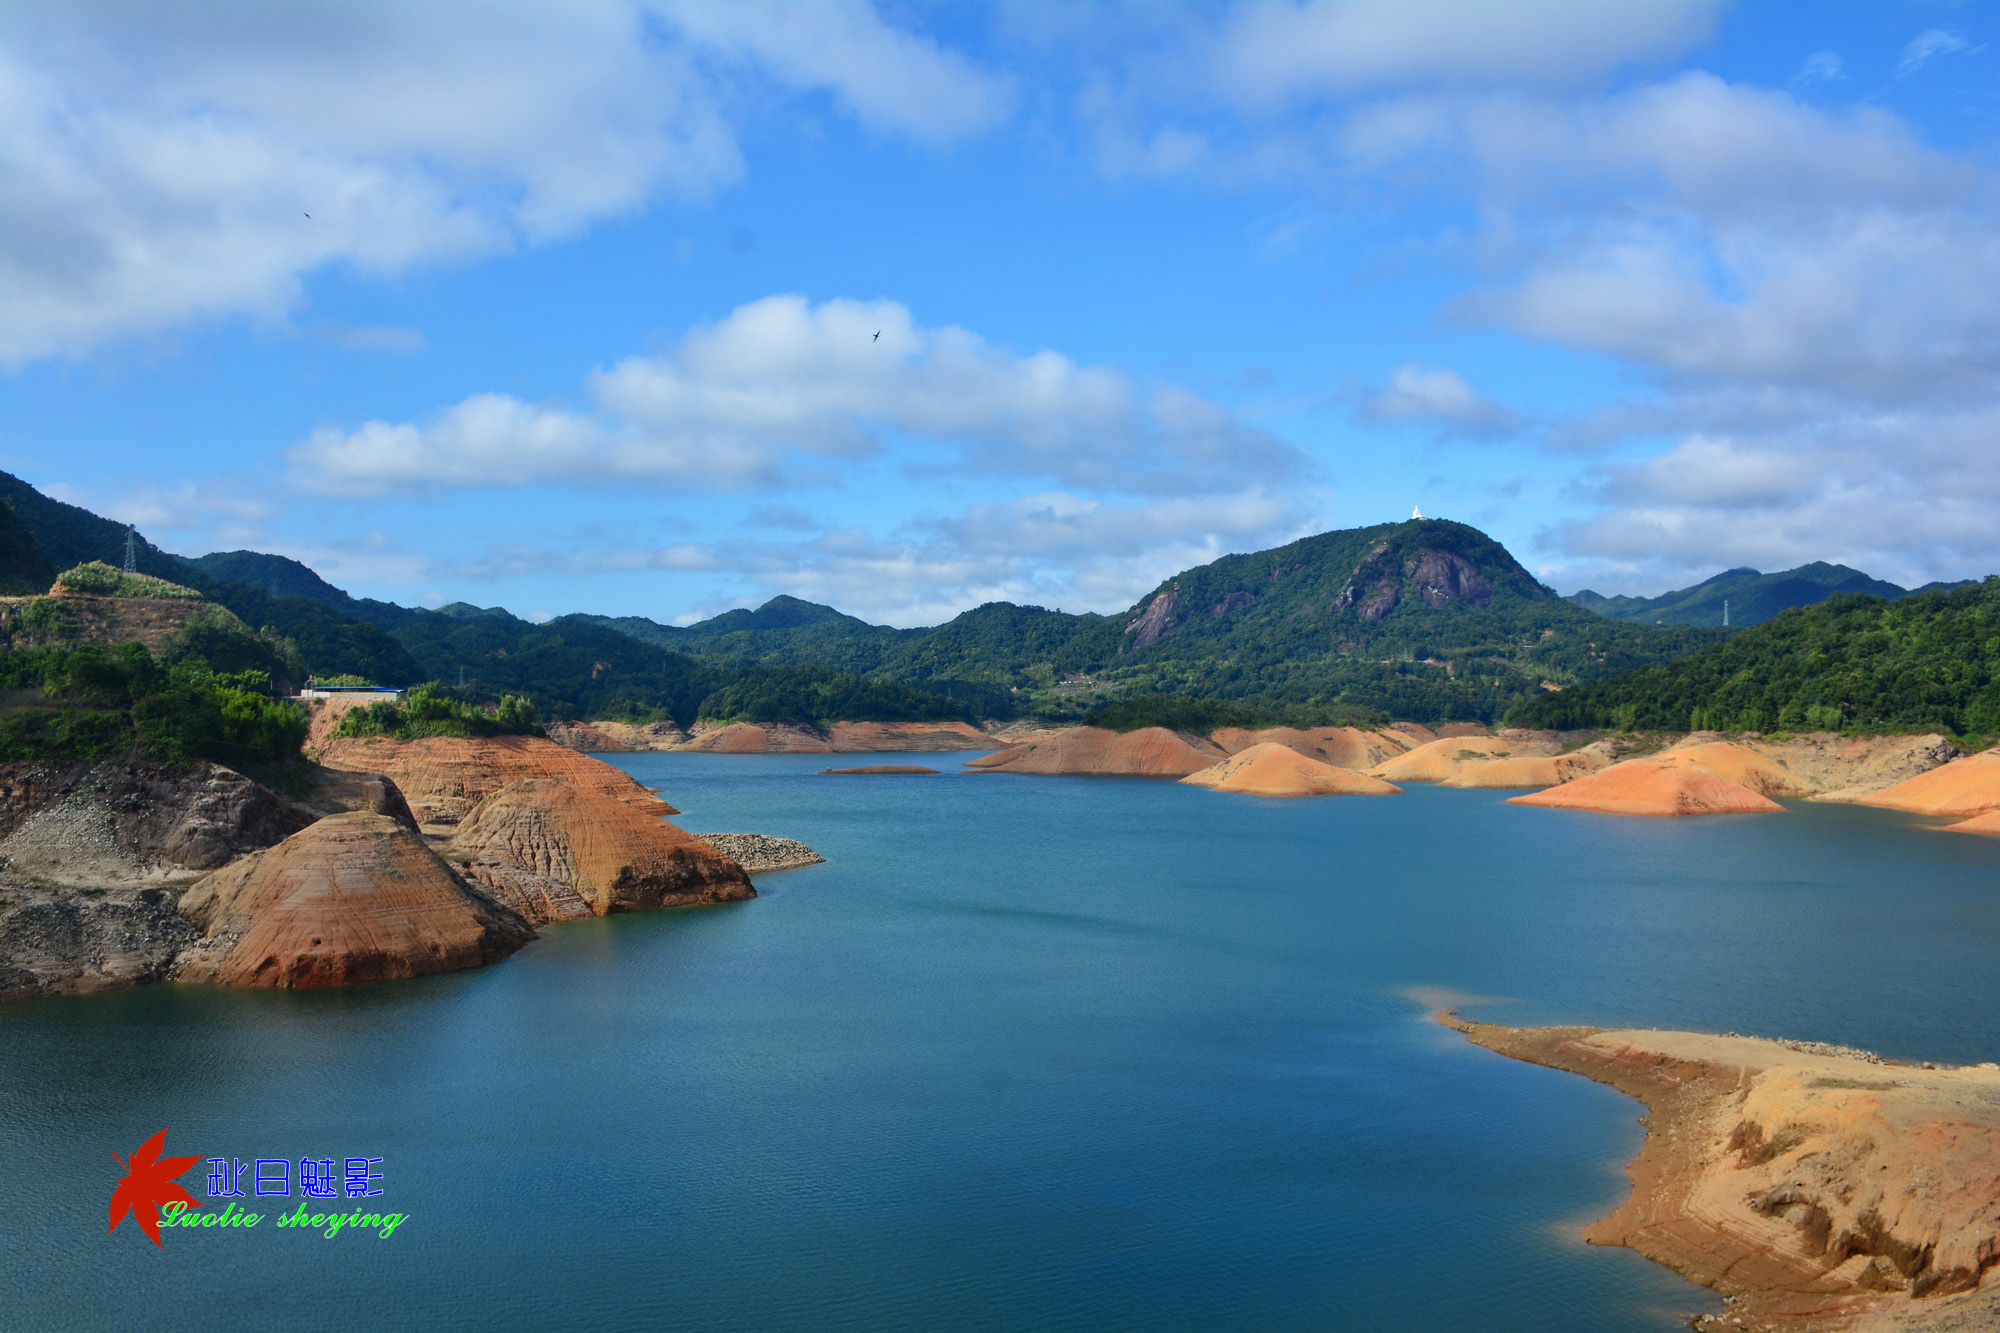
pixel 132 548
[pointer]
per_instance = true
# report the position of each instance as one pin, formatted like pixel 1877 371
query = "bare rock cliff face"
pixel 553 850
pixel 130 822
pixel 1438 578
pixel 1158 617
pixel 355 897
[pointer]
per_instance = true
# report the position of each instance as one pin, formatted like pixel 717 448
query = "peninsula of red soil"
pixel 1343 747
pixel 1962 788
pixel 553 850
pixel 355 897
pixel 1660 785
pixel 1151 752
pixel 1275 769
pixel 1816 1188
pixel 443 777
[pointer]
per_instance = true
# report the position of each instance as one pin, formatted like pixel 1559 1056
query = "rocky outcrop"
pixel 759 852
pixel 1817 1188
pixel 1152 752
pixel 878 770
pixel 1275 769
pixel 1660 785
pixel 1962 788
pixel 616 737
pixel 69 942
pixel 551 849
pixel 134 822
pixel 1342 747
pixel 355 897
pixel 1159 616
pixel 444 777
pixel 335 791
pixel 1437 578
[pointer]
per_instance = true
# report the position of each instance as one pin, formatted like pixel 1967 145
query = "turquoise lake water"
pixel 1027 1053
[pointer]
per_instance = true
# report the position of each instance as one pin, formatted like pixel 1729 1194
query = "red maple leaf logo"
pixel 148 1183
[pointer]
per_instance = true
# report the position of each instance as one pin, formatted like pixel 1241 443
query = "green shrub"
pixel 94 578
pixel 428 711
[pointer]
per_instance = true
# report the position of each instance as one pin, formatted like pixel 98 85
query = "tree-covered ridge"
pixel 1854 662
pixel 330 641
pixel 814 697
pixel 1750 597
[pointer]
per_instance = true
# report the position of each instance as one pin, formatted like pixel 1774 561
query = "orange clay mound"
pixel 1656 786
pixel 1275 769
pixel 553 850
pixel 758 738
pixel 1963 787
pixel 1152 752
pixel 1343 747
pixel 355 897
pixel 1743 766
pixel 1449 756
pixel 1987 823
pixel 443 777
pixel 1523 771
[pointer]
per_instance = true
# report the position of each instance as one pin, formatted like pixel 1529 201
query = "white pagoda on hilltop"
pixel 1416 512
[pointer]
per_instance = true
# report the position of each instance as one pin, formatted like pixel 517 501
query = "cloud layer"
pixel 191 159
pixel 782 389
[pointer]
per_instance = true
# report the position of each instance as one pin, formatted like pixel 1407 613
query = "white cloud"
pixel 781 381
pixel 1927 46
pixel 1272 50
pixel 162 159
pixel 1432 395
pixel 1820 67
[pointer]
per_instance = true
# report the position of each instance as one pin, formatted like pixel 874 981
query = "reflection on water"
pixel 1026 1053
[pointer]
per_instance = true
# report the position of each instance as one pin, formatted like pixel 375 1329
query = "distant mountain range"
pixel 1426 619
pixel 1746 596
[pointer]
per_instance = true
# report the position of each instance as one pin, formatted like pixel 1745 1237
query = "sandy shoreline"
pixel 1815 1188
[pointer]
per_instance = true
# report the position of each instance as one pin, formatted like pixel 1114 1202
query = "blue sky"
pixel 583 315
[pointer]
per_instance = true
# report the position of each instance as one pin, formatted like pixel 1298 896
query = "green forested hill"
pixel 1425 619
pixel 1930 661
pixel 330 642
pixel 1749 596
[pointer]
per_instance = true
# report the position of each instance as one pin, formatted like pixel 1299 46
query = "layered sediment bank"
pixel 1815 1187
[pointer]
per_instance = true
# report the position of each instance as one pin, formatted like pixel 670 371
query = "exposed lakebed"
pixel 1025 1052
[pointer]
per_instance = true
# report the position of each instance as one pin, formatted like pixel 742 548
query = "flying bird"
pixel 877 337
pixel 308 215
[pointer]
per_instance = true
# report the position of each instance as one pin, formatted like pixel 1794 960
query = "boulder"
pixel 355 897
pixel 1660 785
pixel 1962 788
pixel 555 850
pixel 1152 752
pixel 1272 768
